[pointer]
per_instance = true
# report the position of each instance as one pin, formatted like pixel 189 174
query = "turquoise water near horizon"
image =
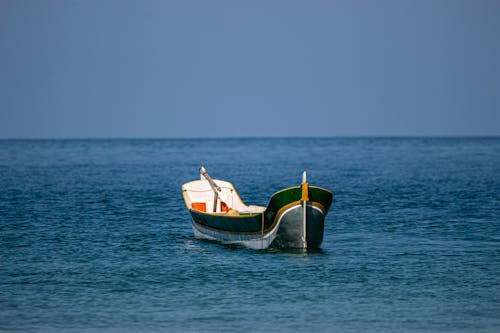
pixel 95 237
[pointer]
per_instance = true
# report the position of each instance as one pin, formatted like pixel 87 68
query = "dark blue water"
pixel 94 236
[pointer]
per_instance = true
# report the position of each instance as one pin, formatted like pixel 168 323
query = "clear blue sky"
pixel 119 68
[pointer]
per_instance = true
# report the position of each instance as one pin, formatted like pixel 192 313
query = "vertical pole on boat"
pixel 262 232
pixel 216 188
pixel 305 198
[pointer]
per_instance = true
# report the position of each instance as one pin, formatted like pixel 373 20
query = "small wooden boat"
pixel 293 218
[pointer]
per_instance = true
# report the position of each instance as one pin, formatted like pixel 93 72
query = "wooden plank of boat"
pixel 293 218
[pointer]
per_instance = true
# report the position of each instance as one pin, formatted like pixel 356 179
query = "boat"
pixel 294 217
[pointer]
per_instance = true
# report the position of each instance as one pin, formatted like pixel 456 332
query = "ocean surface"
pixel 95 237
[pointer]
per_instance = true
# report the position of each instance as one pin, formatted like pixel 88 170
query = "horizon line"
pixel 474 136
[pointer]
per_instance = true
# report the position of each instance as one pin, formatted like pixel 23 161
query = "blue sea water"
pixel 95 237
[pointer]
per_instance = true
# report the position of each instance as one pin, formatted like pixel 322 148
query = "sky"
pixel 180 69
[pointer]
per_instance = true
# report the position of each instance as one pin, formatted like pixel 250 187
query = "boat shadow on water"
pixel 203 245
pixel 269 250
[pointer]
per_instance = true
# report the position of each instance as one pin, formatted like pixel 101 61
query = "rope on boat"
pixel 190 190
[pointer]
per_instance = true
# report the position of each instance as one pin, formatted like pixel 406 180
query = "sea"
pixel 95 237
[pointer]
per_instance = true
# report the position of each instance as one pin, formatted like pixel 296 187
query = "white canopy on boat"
pixel 199 195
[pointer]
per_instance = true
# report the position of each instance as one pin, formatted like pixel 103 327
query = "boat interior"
pixel 199 195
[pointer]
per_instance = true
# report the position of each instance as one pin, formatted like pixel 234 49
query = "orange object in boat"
pixel 201 206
